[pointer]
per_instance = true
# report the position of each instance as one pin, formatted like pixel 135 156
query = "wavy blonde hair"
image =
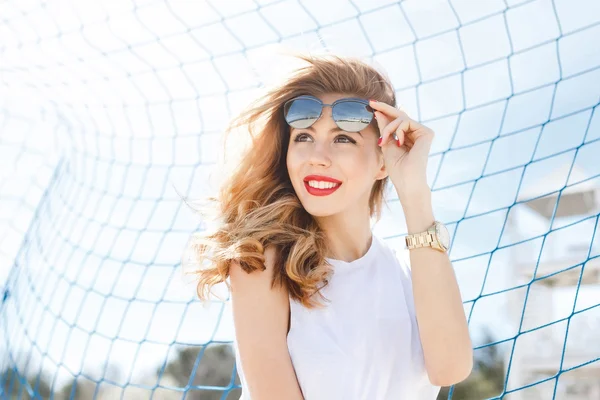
pixel 257 206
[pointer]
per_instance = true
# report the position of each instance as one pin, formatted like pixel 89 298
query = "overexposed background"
pixel 108 109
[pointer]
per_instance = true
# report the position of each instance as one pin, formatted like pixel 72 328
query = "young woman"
pixel 322 308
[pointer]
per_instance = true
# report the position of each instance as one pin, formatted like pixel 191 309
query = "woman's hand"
pixel 405 158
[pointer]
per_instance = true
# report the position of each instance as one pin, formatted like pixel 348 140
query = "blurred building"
pixel 556 276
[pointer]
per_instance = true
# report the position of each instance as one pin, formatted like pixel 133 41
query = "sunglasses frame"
pixel 332 105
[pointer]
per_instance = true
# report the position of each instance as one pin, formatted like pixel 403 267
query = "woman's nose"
pixel 319 154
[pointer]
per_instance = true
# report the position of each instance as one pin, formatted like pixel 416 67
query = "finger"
pixel 387 109
pixel 393 112
pixel 389 131
pixel 401 131
pixel 382 122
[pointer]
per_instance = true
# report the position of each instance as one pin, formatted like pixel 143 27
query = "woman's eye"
pixel 300 137
pixel 346 139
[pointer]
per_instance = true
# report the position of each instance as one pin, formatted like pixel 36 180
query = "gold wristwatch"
pixel 436 237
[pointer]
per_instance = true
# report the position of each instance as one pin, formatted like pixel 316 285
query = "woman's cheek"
pixel 352 156
pixel 294 162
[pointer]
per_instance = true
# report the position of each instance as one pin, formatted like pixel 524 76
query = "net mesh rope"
pixel 107 107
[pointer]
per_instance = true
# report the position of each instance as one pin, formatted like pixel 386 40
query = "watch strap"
pixel 416 240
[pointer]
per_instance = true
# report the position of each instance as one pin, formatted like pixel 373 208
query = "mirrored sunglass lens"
pixel 352 116
pixel 302 113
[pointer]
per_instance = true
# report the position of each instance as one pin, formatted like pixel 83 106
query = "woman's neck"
pixel 348 239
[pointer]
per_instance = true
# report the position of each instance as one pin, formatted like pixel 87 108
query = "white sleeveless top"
pixel 365 344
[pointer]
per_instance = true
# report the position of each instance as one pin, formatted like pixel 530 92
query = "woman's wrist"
pixel 418 211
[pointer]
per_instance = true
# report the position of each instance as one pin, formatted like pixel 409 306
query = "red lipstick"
pixel 321 192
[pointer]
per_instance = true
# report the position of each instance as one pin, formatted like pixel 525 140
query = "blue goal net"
pixel 110 110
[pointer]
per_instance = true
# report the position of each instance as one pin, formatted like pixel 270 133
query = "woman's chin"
pixel 319 211
pixel 321 215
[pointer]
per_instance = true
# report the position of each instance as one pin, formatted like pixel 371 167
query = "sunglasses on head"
pixel 350 114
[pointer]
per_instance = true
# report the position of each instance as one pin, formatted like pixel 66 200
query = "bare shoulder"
pixel 242 280
pixel 254 297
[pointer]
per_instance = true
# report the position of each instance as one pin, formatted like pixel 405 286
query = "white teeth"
pixel 322 184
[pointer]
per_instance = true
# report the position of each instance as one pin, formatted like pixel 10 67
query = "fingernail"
pixel 399 144
pixel 373 100
pixel 379 141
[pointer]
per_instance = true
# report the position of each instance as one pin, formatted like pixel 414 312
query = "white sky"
pixel 94 135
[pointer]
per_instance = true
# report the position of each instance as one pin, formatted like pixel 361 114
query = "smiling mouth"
pixel 321 192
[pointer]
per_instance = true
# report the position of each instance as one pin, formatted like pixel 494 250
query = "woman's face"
pixel 353 160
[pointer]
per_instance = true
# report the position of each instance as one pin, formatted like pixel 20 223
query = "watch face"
pixel 443 235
